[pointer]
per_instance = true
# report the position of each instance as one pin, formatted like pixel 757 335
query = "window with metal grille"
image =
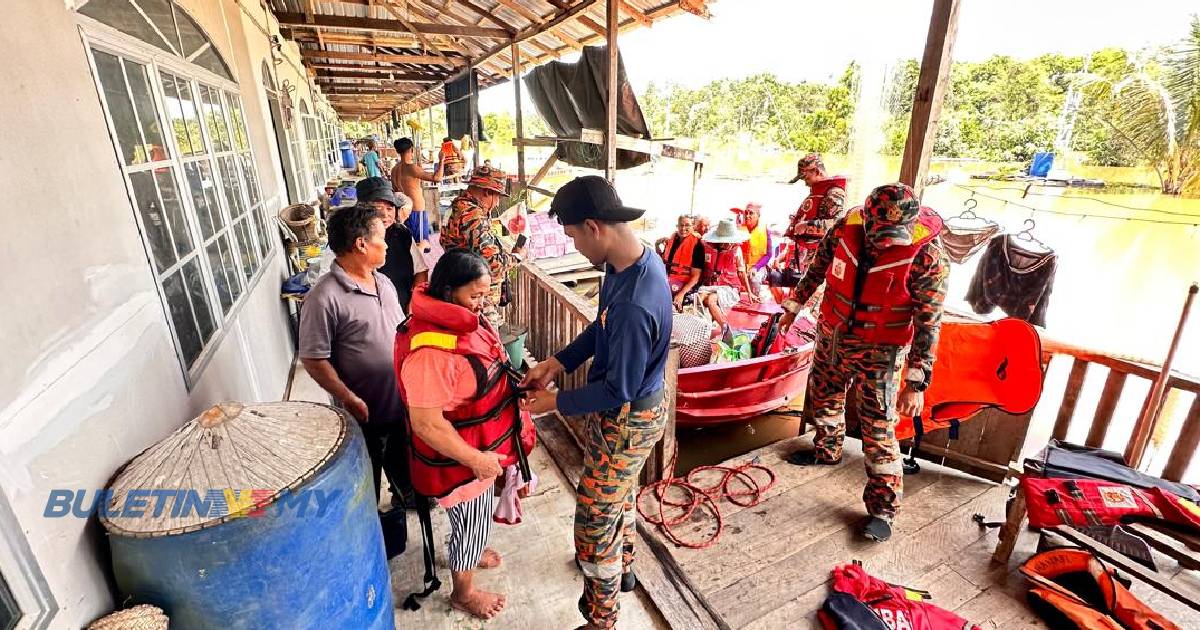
pixel 179 131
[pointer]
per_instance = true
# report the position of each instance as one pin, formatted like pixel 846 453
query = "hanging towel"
pixel 962 243
pixel 1015 279
pixel 508 508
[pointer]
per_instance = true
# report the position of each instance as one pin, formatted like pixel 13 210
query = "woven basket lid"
pixel 254 450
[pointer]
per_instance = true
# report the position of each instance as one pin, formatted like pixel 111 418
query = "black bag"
pixel 394 524
pixel 505 293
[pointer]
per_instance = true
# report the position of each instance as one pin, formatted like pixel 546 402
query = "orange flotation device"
pixel 979 366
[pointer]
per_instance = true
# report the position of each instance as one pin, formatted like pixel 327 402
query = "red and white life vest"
pixel 679 264
pixel 1086 502
pixel 808 212
pixel 721 267
pixel 875 305
pixel 491 420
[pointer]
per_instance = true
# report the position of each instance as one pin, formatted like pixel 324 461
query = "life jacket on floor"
pixel 874 304
pixel 679 264
pixel 897 607
pixel 491 420
pixel 721 267
pixel 979 366
pixel 807 212
pixel 1071 588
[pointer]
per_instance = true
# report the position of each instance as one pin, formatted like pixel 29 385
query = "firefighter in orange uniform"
pixel 885 280
pixel 820 210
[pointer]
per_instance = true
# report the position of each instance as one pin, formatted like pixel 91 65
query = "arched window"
pixel 180 135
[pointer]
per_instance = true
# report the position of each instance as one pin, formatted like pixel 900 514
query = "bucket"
pixel 513 338
pixel 349 161
pixel 302 219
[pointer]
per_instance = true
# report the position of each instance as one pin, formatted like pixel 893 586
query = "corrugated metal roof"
pixel 368 60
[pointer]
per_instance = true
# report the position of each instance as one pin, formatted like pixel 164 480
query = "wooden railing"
pixel 1122 375
pixel 552 314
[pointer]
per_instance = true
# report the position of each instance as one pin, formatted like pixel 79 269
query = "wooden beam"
pixel 1109 397
pixel 487 15
pixel 1070 400
pixel 637 14
pixel 1176 590
pixel 440 60
pixel 516 80
pixel 429 73
pixel 930 92
pixel 591 24
pixel 394 76
pixel 354 39
pixel 397 25
pixel 1185 445
pixel 519 9
pixel 611 92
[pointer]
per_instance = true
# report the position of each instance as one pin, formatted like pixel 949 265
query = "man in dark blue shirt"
pixel 623 397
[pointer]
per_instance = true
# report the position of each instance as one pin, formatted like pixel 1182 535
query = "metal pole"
pixel 610 124
pixel 516 59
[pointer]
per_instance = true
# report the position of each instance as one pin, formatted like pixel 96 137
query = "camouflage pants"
pixel 491 307
pixel 872 369
pixel 617 445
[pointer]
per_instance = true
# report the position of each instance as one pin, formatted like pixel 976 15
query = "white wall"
pixel 89 375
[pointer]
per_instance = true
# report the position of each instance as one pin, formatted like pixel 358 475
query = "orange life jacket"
pixel 679 265
pixel 721 267
pixel 979 365
pixel 492 420
pixel 875 305
pixel 1071 587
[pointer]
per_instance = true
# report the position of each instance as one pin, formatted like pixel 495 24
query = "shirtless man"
pixel 407 176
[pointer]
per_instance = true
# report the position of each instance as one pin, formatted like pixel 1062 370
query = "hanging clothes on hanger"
pixel 967 233
pixel 1016 274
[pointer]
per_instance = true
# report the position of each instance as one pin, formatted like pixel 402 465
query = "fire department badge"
pixel 894 213
pixel 806 207
pixel 1117 497
pixel 838 269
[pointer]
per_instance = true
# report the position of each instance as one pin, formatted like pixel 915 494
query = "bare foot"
pixel 481 604
pixel 490 559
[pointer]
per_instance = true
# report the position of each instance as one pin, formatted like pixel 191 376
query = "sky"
pixel 799 40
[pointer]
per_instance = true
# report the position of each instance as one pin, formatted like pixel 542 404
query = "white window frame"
pixel 95 34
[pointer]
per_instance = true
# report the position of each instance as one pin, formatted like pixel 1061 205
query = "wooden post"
pixel 931 88
pixel 473 112
pixel 1145 424
pixel 1015 521
pixel 516 60
pixel 610 124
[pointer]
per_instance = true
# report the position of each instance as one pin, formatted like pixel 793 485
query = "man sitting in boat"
pixel 683 254
pixel 885 276
pixel 757 248
pixel 725 275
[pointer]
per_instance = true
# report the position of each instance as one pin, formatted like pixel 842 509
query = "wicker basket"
pixel 302 219
pixel 143 617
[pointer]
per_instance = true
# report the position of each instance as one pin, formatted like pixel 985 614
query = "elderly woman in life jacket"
pixel 725 275
pixel 453 377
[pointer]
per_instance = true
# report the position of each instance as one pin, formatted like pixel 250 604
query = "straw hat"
pixel 726 232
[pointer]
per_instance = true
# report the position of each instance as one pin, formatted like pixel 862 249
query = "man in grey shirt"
pixel 347 332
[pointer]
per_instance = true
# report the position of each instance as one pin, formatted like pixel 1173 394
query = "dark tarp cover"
pixel 458 107
pixel 572 96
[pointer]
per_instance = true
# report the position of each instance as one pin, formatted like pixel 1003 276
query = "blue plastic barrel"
pixel 288 567
pixel 1043 161
pixel 349 161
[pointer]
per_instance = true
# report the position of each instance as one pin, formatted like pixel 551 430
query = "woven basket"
pixel 692 334
pixel 302 219
pixel 143 617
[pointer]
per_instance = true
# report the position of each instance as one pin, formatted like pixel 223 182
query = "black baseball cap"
pixel 590 197
pixel 376 189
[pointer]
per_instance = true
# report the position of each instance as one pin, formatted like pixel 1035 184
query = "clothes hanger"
pixel 968 220
pixel 1026 235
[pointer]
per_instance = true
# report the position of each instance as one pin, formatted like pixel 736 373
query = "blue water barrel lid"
pixel 248 454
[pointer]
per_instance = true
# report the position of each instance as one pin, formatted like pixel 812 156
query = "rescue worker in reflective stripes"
pixel 623 396
pixel 885 275
pixel 820 210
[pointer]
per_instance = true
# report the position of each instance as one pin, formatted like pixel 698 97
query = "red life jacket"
pixel 492 420
pixel 1085 502
pixel 898 607
pixel 679 265
pixel 1072 588
pixel 721 267
pixel 880 310
pixel 808 211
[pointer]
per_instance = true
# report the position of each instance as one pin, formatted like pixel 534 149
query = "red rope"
pixel 706 497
